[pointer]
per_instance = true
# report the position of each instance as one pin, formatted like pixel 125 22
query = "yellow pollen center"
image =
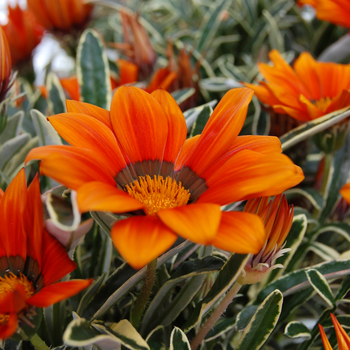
pixel 8 284
pixel 158 193
pixel 323 103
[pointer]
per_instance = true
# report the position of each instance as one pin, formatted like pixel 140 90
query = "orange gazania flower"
pixel 334 11
pixel 31 261
pixel 60 14
pixel 5 65
pixel 342 337
pixel 307 91
pixel 277 217
pixel 135 159
pixel 23 33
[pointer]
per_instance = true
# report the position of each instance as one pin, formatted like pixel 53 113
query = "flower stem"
pixel 146 290
pixel 38 343
pixel 197 340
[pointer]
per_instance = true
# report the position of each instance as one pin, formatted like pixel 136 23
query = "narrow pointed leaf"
pixel 56 96
pixel 319 283
pixel 297 330
pixel 178 340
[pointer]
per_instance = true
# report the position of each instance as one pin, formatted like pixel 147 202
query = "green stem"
pixel 209 324
pixel 146 290
pixel 38 343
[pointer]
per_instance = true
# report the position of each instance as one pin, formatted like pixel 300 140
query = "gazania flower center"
pixel 158 193
pixel 323 103
pixel 8 284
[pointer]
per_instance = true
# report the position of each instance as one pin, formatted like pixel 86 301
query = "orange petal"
pixel 263 93
pixel 305 68
pixel 104 197
pixel 221 130
pixel 34 221
pixel 337 12
pixel 177 129
pixel 313 111
pixel 71 166
pixel 293 112
pixel 139 123
pixel 12 233
pixel 260 144
pixel 128 72
pixel 141 239
pixel 83 131
pixel 162 79
pixel 339 102
pixel 345 192
pixel 93 111
pixel 14 301
pixel 72 87
pixel 250 174
pixel 55 260
pixel 185 152
pixel 241 233
pixel 9 328
pixel 326 344
pixel 342 336
pixel 196 222
pixel 59 291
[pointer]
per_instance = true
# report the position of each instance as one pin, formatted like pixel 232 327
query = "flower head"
pixel 307 91
pixel 60 15
pixel 31 261
pixel 277 217
pixel 135 159
pixel 342 336
pixel 23 33
pixel 334 11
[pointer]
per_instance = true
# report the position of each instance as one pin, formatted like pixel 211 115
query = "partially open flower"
pixel 137 45
pixel 23 33
pixel 31 261
pixel 307 91
pixel 334 11
pixel 342 337
pixel 277 216
pixel 61 15
pixel 135 159
pixel 5 65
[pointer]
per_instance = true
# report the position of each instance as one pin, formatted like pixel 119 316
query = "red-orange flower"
pixel 334 11
pixel 60 15
pixel 136 159
pixel 23 33
pixel 31 261
pixel 5 65
pixel 342 337
pixel 345 192
pixel 307 91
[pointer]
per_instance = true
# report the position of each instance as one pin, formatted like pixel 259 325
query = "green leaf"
pixel 93 70
pixel 297 330
pixel 225 279
pixel 319 283
pixel 13 127
pixel 297 280
pixel 218 84
pixel 344 288
pixel 45 131
pixel 190 269
pixel 79 333
pixel 313 127
pixel 157 339
pixel 201 121
pixel 183 94
pixel 344 320
pixel 56 96
pixel 312 195
pixel 275 36
pixel 324 251
pixel 210 24
pixel 340 228
pixel 192 114
pixel 178 340
pixel 262 323
pixel 244 317
pixel 222 326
